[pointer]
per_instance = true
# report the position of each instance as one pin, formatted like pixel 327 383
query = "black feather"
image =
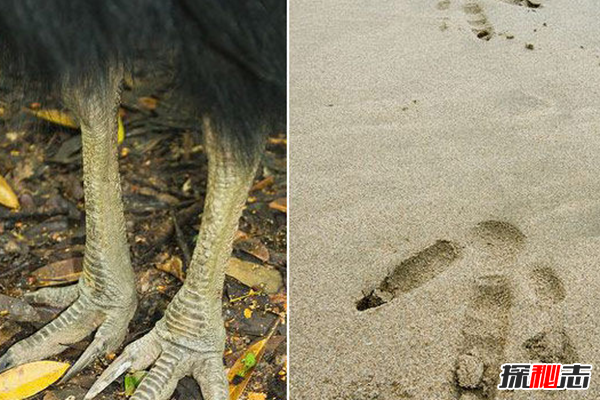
pixel 228 56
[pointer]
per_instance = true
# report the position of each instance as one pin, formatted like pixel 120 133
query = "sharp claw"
pixel 97 347
pixel 118 367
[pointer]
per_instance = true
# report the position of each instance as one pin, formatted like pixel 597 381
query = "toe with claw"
pixel 173 355
pixel 87 313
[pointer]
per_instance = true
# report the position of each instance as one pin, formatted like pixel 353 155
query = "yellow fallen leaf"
pixel 247 313
pixel 241 371
pixel 277 141
pixel 65 119
pixel 174 266
pixel 121 131
pixel 29 379
pixel 257 396
pixel 8 198
pixel 55 116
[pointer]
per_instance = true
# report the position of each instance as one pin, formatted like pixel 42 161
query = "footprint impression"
pixel 495 239
pixel 487 319
pixel 478 21
pixel 412 273
pixel 474 13
pixel 495 245
pixel 551 344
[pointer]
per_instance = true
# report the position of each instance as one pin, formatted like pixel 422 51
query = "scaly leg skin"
pixel 190 338
pixel 104 300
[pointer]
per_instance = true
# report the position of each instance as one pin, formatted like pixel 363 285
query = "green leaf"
pixel 132 381
pixel 248 362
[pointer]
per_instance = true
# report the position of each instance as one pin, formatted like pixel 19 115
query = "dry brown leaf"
pixel 174 266
pixel 58 273
pixel 279 204
pixel 162 197
pixel 255 248
pixel 240 235
pixel 279 299
pixel 24 169
pixel 51 396
pixel 268 181
pixel 26 380
pixel 148 103
pixel 254 275
pixel 8 197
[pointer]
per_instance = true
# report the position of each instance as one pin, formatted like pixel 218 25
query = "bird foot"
pixel 89 311
pixel 172 359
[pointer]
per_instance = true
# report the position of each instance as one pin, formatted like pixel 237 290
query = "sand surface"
pixel 412 137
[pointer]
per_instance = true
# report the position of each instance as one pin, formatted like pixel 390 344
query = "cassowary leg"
pixel 189 339
pixel 104 300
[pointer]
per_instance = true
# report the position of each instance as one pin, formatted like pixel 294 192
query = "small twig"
pixel 249 294
pixel 156 206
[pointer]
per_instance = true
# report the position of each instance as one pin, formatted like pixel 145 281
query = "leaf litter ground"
pixel 163 171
